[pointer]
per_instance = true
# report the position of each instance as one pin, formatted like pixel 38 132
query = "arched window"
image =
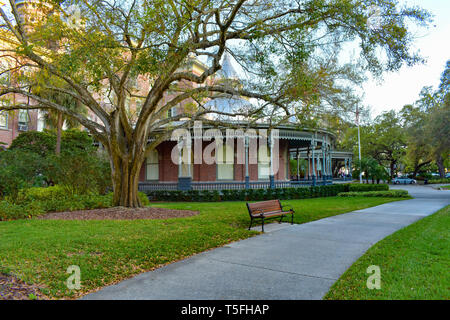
pixel 152 166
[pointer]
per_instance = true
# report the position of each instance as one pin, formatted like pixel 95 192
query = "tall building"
pixel 14 122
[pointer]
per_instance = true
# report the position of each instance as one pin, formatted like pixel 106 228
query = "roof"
pixel 228 104
pixel 228 71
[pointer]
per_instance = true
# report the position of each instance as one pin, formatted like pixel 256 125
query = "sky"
pixel 403 87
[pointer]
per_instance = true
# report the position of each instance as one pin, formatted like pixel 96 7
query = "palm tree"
pixel 55 119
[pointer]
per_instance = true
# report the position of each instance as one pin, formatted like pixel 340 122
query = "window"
pixel 152 170
pixel 23 120
pixel 186 168
pixel 225 171
pixel 263 163
pixel 3 120
pixel 172 112
pixel 23 117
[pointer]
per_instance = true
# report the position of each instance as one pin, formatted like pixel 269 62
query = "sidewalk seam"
pixel 281 271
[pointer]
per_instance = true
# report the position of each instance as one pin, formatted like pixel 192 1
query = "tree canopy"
pixel 293 53
pixel 412 140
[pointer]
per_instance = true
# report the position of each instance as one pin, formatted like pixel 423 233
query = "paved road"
pixel 295 262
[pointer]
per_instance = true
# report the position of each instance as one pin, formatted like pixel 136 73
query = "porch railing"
pixel 230 185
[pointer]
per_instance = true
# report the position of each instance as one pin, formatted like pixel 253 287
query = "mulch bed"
pixel 12 288
pixel 119 213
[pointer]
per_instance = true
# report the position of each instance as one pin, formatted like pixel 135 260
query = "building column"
pixel 309 165
pixel 247 177
pixel 313 174
pixel 329 166
pixel 346 169
pixel 321 168
pixel 271 173
pixel 328 162
pixel 184 182
pixel 324 164
pixel 331 162
pixel 298 165
pixel 350 168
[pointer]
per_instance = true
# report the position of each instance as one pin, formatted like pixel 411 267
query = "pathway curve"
pixel 296 262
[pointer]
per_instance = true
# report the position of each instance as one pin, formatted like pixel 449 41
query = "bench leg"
pixel 251 222
pixel 281 219
pixel 262 224
pixel 292 218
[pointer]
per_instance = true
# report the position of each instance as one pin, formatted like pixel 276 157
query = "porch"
pixel 247 172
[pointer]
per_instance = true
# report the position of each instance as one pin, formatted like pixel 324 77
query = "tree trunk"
pixel 418 166
pixel 392 170
pixel 125 177
pixel 440 164
pixel 59 125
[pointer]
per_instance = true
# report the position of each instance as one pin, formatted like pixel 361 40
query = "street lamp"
pixel 359 144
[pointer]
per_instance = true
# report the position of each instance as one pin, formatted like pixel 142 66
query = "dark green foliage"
pixel 383 194
pixel 11 211
pixel 81 172
pixel 74 139
pixel 446 180
pixel 31 161
pixel 44 143
pixel 40 143
pixel 356 187
pixel 371 169
pixel 248 195
pixel 20 169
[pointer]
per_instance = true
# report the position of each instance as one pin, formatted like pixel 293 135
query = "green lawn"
pixel 40 251
pixel 446 187
pixel 413 262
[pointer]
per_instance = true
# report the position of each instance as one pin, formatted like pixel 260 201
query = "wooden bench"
pixel 268 209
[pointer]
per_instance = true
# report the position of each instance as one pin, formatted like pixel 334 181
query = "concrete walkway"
pixel 295 262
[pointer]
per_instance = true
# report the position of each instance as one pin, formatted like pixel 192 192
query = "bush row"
pixel 384 194
pixel 445 180
pixel 357 187
pixel 248 194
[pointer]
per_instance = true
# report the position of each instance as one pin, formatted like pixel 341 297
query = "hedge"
pixel 248 194
pixel 357 187
pixel 445 180
pixel 384 194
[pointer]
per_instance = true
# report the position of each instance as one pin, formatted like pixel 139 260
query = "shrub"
pixel 19 169
pixel 143 197
pixel 81 172
pixel 356 187
pixel 11 211
pixel 40 143
pixel 384 194
pixel 31 161
pixel 41 194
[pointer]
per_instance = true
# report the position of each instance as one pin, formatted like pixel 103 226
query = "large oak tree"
pixel 291 51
